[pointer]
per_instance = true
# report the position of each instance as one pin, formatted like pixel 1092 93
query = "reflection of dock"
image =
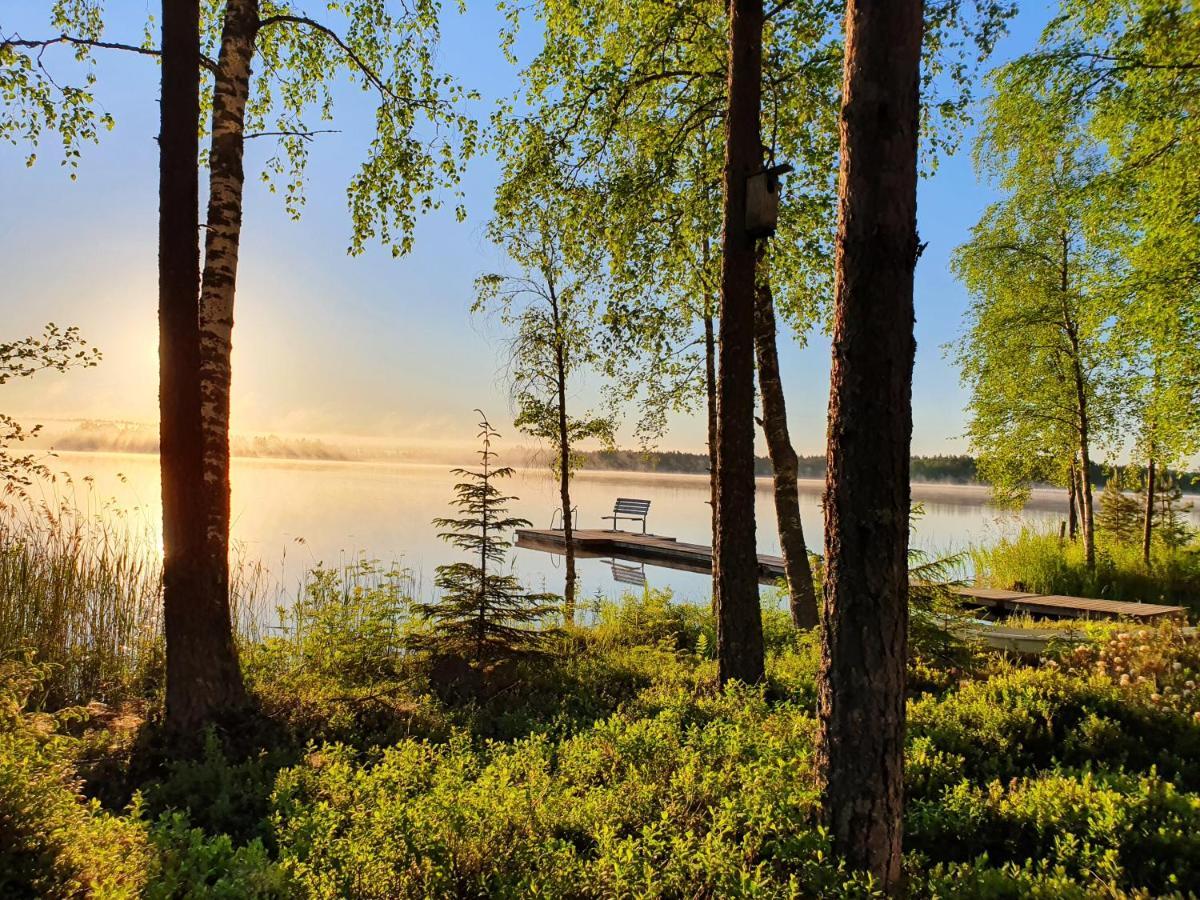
pixel 651 548
pixel 673 554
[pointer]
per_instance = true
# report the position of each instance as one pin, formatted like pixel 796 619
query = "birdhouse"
pixel 762 200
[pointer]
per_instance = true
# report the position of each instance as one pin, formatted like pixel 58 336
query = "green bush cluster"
pixel 53 842
pixel 616 768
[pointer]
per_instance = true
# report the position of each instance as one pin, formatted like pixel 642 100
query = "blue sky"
pixel 370 346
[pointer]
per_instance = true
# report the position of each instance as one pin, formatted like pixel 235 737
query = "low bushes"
pixel 53 842
pixel 618 769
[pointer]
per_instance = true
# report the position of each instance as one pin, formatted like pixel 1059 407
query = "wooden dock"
pixel 670 553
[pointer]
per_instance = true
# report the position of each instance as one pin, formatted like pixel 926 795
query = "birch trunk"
pixel 1148 517
pixel 219 283
pixel 564 484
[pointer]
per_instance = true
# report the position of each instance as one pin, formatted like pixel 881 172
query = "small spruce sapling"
pixel 483 616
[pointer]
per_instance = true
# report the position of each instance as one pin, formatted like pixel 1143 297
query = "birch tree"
pixel 384 48
pixel 550 305
pixel 1041 266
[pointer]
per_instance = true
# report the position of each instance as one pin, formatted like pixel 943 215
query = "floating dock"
pixel 670 553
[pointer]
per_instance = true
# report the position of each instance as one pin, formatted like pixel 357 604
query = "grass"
pixel 1036 561
pixel 80 593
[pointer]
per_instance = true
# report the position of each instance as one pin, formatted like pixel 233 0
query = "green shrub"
pixel 192 864
pixel 219 794
pixel 53 842
pixel 1137 832
pixel 706 798
pixel 1023 720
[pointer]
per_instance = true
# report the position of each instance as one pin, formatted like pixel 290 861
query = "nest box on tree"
pixel 762 200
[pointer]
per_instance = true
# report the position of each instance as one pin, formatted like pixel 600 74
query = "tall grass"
pixel 1036 561
pixel 81 592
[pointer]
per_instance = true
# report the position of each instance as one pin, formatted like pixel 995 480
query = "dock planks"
pixel 670 553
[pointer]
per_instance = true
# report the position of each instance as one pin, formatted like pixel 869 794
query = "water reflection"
pixel 295 515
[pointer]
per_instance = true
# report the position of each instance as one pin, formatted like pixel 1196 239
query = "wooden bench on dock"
pixel 631 509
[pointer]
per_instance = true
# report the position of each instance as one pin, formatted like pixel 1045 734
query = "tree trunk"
pixel 1148 518
pixel 1072 501
pixel 860 751
pixel 217 295
pixel 802 597
pixel 735 553
pixel 1088 522
pixel 564 479
pixel 710 389
pixel 1088 519
pixel 203 678
pixel 1081 488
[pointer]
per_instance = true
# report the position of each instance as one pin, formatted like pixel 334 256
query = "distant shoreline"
pixel 928 472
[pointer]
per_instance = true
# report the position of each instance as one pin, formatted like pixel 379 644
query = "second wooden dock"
pixel 670 553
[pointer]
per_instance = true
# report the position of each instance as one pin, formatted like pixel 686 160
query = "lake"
pixel 295 515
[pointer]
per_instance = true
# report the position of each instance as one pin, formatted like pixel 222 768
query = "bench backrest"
pixel 629 506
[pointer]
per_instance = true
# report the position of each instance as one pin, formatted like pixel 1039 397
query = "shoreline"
pixel 1046 499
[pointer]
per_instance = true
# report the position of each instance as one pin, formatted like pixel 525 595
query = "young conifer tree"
pixel 484 616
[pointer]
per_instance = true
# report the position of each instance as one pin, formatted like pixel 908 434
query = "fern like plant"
pixel 483 615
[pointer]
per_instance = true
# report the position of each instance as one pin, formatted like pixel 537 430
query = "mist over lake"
pixel 293 515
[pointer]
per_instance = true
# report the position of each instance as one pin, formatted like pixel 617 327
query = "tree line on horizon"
pixel 951 468
pixel 638 165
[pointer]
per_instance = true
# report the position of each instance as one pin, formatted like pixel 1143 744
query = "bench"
pixel 631 509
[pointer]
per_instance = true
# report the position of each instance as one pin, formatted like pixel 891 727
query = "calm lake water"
pixel 296 515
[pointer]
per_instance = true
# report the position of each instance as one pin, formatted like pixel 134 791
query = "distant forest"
pixel 949 469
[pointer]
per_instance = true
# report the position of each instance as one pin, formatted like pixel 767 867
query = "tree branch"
pixel 18 41
pixel 370 74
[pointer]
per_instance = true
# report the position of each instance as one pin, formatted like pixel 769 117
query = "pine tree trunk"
pixel 860 751
pixel 203 679
pixel 1148 517
pixel 218 286
pixel 735 553
pixel 802 597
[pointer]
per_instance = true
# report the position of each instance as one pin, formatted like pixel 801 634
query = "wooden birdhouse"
pixel 762 200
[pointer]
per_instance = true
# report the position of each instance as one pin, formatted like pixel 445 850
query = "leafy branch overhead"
pixel 422 136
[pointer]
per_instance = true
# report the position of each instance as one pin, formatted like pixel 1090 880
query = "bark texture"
pixel 864 641
pixel 218 286
pixel 802 597
pixel 735 555
pixel 203 678
pixel 1070 329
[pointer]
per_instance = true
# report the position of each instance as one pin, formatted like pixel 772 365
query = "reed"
pixel 81 592
pixel 1038 561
